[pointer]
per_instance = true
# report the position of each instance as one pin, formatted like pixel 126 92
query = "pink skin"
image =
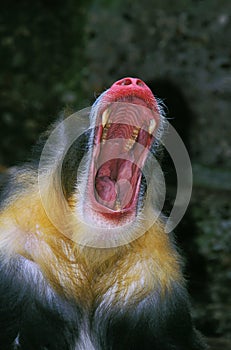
pixel 131 87
pixel 118 173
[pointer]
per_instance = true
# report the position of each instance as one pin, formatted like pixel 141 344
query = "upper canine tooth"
pixel 105 117
pixel 152 126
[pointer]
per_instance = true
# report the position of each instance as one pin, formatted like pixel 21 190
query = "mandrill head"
pixel 126 125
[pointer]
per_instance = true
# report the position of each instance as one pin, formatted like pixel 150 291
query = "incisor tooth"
pixel 105 116
pixel 152 126
pixel 130 142
pixel 135 133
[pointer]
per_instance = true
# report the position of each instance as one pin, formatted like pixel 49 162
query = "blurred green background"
pixel 56 54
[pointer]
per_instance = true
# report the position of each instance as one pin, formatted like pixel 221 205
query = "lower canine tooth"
pixel 117 205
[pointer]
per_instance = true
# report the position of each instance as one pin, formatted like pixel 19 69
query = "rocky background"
pixel 56 55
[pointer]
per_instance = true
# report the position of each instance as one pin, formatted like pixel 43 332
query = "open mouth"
pixel 123 135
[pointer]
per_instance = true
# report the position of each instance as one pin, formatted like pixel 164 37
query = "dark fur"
pixel 155 323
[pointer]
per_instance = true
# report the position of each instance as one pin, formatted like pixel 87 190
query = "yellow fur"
pixel 88 274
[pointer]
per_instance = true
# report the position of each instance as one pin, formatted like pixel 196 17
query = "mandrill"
pixel 85 262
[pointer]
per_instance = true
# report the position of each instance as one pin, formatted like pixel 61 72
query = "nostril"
pixel 130 81
pixel 125 81
pixel 140 83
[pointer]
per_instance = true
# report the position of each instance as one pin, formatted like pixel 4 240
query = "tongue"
pixel 113 183
pixel 106 190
